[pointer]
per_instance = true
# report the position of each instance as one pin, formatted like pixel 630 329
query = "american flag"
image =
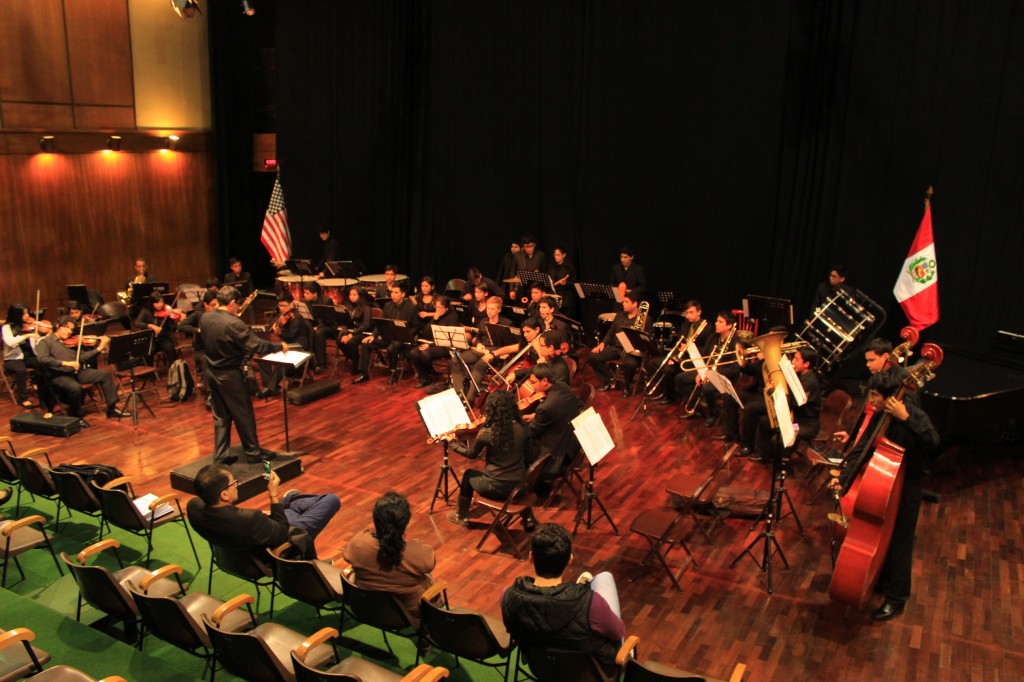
pixel 276 237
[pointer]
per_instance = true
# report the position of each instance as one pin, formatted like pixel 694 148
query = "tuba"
pixel 772 347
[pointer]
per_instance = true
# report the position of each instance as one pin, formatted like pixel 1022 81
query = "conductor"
pixel 228 342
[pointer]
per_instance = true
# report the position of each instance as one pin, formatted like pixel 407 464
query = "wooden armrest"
pixel 120 480
pixel 114 678
pixel 10 528
pixel 737 672
pixel 5 439
pixel 626 650
pixel 16 635
pixel 434 590
pixel 36 451
pixel 313 641
pixel 278 551
pixel 159 574
pixel 163 499
pixel 96 548
pixel 229 606
pixel 425 672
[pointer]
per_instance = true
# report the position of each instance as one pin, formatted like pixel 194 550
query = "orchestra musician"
pixel 228 342
pixel 507 269
pixel 740 425
pixel 20 337
pixel 509 446
pixel 551 423
pixel 693 320
pixel 292 329
pixel 473 357
pixel 398 308
pixel 628 275
pixel 67 374
pixel 529 259
pixel 237 278
pixel 836 282
pixel 563 275
pixel 478 307
pixel 312 295
pixel 806 416
pixel 610 349
pixel 383 289
pixel 725 322
pixel 911 429
pixel 362 320
pixel 546 308
pixel 475 278
pixel 423 356
pixel 537 292
pixel 163 320
pixel 549 352
pixel 330 251
pixel 424 301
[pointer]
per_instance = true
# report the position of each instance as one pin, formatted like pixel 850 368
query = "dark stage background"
pixel 741 147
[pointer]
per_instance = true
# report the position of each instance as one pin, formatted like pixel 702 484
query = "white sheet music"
pixel 593 435
pixel 626 345
pixel 142 504
pixel 442 412
pixel 784 418
pixel 793 381
pixel 724 385
pixel 449 337
pixel 292 357
pixel 698 361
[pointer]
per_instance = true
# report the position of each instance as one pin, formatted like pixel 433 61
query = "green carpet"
pixel 45 602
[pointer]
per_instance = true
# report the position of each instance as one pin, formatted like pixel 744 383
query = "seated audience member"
pixel 384 560
pixel 544 612
pixel 217 520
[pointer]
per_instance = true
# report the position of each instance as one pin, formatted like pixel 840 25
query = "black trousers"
pixel 599 362
pixel 69 386
pixel 230 403
pixel 896 571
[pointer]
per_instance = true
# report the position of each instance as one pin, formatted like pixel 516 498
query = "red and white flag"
pixel 917 287
pixel 276 236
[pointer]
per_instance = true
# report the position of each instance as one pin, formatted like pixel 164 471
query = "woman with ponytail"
pixel 384 560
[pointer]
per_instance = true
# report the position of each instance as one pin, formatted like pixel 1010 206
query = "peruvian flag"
pixel 917 287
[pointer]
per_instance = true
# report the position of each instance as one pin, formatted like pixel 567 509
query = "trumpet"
pixel 742 354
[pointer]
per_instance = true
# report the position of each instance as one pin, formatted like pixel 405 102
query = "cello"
pixel 873 499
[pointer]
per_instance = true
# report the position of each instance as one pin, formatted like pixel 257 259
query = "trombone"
pixel 742 354
pixel 690 406
pixel 677 350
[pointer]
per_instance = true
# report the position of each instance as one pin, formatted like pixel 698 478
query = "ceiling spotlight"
pixel 247 8
pixel 46 144
pixel 171 142
pixel 114 143
pixel 185 8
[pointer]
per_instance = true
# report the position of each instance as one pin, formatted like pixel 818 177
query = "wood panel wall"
pixel 83 219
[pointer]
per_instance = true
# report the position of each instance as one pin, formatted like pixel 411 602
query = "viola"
pixel 72 341
pixel 527 402
pixel 460 432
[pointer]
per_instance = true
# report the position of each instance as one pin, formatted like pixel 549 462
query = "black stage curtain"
pixel 740 147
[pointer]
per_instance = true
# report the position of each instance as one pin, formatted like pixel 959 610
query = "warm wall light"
pixel 46 144
pixel 114 143
pixel 171 142
pixel 185 8
pixel 247 8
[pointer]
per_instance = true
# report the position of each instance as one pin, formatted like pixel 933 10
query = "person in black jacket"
pixel 422 357
pixel 398 308
pixel 551 423
pixel 297 518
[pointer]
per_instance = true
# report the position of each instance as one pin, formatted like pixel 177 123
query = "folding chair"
pixel 465 634
pixel 18 537
pixel 35 478
pixel 504 514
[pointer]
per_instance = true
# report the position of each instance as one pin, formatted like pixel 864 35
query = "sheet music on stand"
pixel 670 301
pixel 502 335
pixel 774 311
pixel 542 278
pixel 449 337
pixel 395 331
pixel 293 358
pixel 793 381
pixel 193 295
pixel 304 310
pixel 348 269
pixel 783 417
pixel 442 412
pixel 634 341
pixel 300 266
pixel 594 290
pixel 698 360
pixel 593 435
pixel 333 315
pixel 723 385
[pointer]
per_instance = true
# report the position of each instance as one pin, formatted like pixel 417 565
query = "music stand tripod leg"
pixel 442 480
pixel 586 507
pixel 770 544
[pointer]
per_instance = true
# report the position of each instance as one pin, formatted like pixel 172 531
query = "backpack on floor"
pixel 180 385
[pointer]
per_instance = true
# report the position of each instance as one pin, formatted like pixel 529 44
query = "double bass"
pixel 873 499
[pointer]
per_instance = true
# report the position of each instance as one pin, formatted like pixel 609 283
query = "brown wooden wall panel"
pixel 83 218
pixel 100 53
pixel 33 52
pixel 104 118
pixel 39 116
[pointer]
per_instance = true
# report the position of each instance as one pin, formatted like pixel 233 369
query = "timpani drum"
pixel 370 282
pixel 334 288
pixel 604 323
pixel 292 284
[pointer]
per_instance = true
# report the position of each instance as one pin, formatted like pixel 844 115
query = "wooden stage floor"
pixel 964 622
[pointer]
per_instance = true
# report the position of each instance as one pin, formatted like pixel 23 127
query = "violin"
pixel 166 312
pixel 459 432
pixel 72 341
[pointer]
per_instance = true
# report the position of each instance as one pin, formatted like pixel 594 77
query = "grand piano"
pixel 974 390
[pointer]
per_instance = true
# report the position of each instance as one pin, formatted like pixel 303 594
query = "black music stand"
pixel 641 341
pixel 300 266
pixel 774 312
pixel 79 293
pixel 531 277
pixel 348 269
pixel 671 302
pixel 502 335
pixel 128 351
pixel 294 360
pixel 598 291
pixel 454 339
pixel 331 316
pixel 395 334
pixel 442 413
pixel 596 442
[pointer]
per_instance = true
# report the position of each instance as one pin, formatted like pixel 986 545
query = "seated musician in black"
pixel 836 283
pixel 424 300
pixel 525 349
pixel 911 429
pixel 162 320
pixel 422 357
pixel 238 278
pixel 350 340
pixel 693 320
pixel 64 370
pixel 475 278
pixel 509 447
pixel 398 308
pixel 294 330
pixel 546 308
pixel 805 416
pixel 313 295
pixel 685 382
pixel 563 276
pixel 537 292
pixel 551 422
pixel 548 351
pixel 610 349
pixel 478 304
pixel 472 358
pixel 382 289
